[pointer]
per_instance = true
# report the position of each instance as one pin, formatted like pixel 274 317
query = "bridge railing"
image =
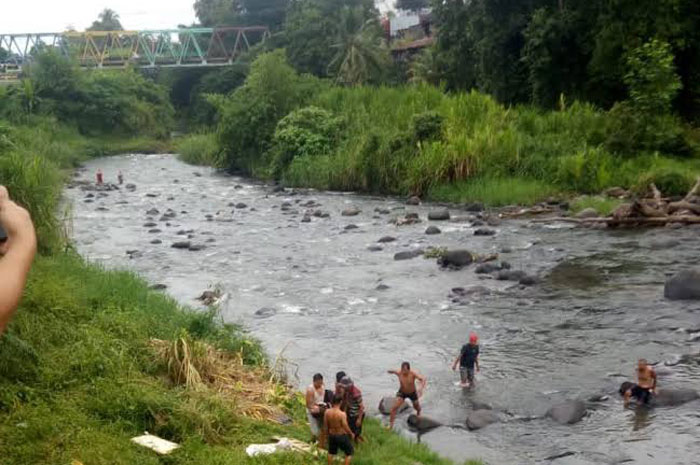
pixel 151 48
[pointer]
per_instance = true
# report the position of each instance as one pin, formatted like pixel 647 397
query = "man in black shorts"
pixel 468 359
pixel 335 423
pixel 407 389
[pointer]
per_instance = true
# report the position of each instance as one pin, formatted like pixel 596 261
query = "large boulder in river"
pixel 387 403
pixel 456 259
pixel 407 254
pixel 432 230
pixel 350 212
pixel 481 418
pixel 568 412
pixel 422 424
pixel 683 286
pixel 413 200
pixel 673 397
pixel 439 215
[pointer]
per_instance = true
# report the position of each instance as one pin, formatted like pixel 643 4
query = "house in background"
pixel 408 32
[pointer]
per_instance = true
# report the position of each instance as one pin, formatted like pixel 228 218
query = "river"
pixel 598 307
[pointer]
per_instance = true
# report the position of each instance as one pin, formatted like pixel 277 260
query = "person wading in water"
pixel 467 359
pixel 646 384
pixel 407 390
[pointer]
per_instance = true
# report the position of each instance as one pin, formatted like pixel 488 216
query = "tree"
pixel 361 55
pixel 270 13
pixel 412 5
pixel 107 20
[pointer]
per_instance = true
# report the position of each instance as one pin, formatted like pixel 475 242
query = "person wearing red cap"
pixel 467 359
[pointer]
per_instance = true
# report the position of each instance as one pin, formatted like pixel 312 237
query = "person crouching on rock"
pixel 100 177
pixel 316 405
pixel 355 408
pixel 407 390
pixel 467 359
pixel 335 425
pixel 645 387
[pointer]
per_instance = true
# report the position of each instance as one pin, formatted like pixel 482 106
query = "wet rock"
pixel 277 189
pixel 88 201
pixel 375 248
pixel 150 224
pixel 674 397
pixel 306 219
pixel 240 205
pixel 382 211
pixel 487 268
pixel 439 215
pixel 350 227
pixel 181 245
pixel 351 212
pixel 388 402
pixel 511 275
pixel 197 174
pixel 130 187
pixel 210 240
pixel 664 244
pixel 456 259
pixel 381 287
pixel 528 280
pixel 408 254
pixel 471 291
pixel 154 231
pixel 432 230
pixel 386 239
pixel 196 247
pixel 209 297
pixel 484 232
pixel 102 209
pixel 152 195
pixel 321 214
pixel 265 312
pixel 413 200
pixel 684 285
pixel 238 186
pixel 506 249
pixel 90 196
pixel 286 205
pixel 422 424
pixel 158 287
pixel 475 207
pixel 412 216
pixel 587 213
pixel 568 412
pixel 133 253
pixel 152 212
pixel 156 241
pixel 481 418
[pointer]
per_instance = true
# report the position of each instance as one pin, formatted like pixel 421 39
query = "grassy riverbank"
pixel 91 358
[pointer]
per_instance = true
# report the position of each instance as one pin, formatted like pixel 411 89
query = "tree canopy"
pixel 107 20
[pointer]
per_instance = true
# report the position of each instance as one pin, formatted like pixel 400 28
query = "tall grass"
pixel 495 192
pixel 198 149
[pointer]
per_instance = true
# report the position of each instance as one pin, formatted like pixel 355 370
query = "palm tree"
pixel 107 20
pixel 361 54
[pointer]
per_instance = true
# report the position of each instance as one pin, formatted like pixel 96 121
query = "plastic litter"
pixel 159 445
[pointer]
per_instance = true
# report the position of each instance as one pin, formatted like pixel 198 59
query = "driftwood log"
pixel 654 210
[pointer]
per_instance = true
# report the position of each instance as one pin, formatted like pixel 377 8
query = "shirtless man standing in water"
pixel 340 436
pixel 646 384
pixel 407 389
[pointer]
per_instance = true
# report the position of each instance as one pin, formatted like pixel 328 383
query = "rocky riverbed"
pixel 341 281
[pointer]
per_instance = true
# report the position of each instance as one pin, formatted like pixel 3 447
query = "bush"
pixel 427 126
pixel 198 149
pixel 305 132
pixel 669 181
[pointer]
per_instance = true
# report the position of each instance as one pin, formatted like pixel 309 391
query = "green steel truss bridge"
pixel 184 47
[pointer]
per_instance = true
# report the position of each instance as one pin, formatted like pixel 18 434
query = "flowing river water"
pixel 310 290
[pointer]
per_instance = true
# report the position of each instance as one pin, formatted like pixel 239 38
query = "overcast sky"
pixel 58 15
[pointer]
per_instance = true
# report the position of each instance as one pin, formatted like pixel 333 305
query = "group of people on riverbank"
pixel 336 416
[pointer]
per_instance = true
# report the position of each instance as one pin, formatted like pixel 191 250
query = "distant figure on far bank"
pixel 335 425
pixel 468 359
pixel 100 177
pixel 120 178
pixel 407 390
pixel 646 384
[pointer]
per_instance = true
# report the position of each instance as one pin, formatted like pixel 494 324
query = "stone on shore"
pixel 568 412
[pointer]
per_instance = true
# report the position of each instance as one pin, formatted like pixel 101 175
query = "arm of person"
pixel 325 423
pixel 17 255
pixel 653 381
pixel 361 412
pixel 346 427
pixel 393 372
pixel 476 362
pixel 456 362
pixel 422 380
pixel 628 394
pixel 310 399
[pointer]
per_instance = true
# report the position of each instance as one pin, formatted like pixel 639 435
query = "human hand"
pixel 358 422
pixel 16 222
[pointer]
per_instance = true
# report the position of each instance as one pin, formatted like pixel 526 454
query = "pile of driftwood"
pixel 654 210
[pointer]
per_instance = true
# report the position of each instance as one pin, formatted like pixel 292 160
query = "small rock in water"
pixel 506 249
pixel 456 259
pixel 154 231
pixel 156 241
pixel 386 239
pixel 475 207
pixel 528 280
pixel 382 287
pixel 351 212
pixel 408 254
pixel 350 227
pixel 431 230
pixel 684 285
pixel 306 219
pixel 240 205
pixel 152 212
pixel 197 174
pixel 484 232
pixel 511 275
pixel 158 287
pixel 131 187
pixel 150 224
pixel 412 216
pixel 321 214
pixel 196 247
pixel 181 245
pixel 265 312
pixel 152 195
pixel 413 200
pixel 439 215
pixel 375 248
